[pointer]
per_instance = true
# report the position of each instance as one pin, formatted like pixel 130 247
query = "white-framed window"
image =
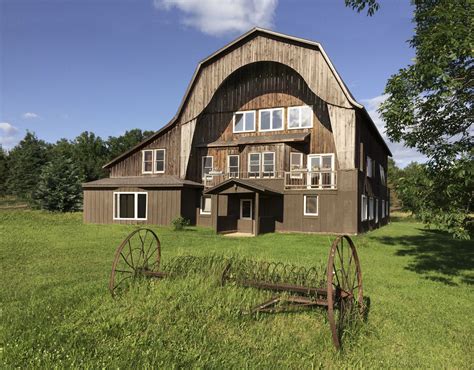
pixel 363 207
pixel 153 160
pixel 300 117
pixel 311 204
pixel 382 174
pixel 160 155
pixel 383 208
pixel 233 165
pixel 254 164
pixel 376 210
pixel 271 119
pixel 371 208
pixel 296 165
pixel 130 205
pixel 268 165
pixel 244 121
pixel 246 209
pixel 147 161
pixel 387 208
pixel 207 164
pixel 321 171
pixel 206 205
pixel 370 169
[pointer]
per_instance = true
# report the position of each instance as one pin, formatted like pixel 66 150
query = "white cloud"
pixel 30 115
pixel 8 135
pixel 218 17
pixel 401 154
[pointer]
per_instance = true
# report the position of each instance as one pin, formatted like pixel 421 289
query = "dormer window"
pixel 244 121
pixel 300 117
pixel 271 119
pixel 153 161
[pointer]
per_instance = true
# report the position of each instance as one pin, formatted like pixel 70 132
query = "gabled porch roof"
pixel 236 186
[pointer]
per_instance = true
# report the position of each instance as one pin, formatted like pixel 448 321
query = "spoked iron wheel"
pixel 344 287
pixel 135 258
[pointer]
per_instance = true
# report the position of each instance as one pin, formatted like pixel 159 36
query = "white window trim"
pixel 371 167
pixel 300 109
pixel 376 210
pixel 317 206
pixel 164 160
pixel 152 160
pixel 371 208
pixel 201 212
pixel 259 163
pixel 135 201
pixel 262 163
pixel 383 209
pixel 202 164
pixel 363 215
pixel 243 113
pixel 271 120
pixel 238 163
pixel 251 209
pixel 299 174
pixel 333 164
pixel 383 179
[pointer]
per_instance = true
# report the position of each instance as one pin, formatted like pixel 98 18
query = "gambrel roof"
pixel 239 42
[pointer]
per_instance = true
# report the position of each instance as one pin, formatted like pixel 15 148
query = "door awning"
pixel 242 186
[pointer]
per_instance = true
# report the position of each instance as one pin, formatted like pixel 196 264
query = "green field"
pixel 57 311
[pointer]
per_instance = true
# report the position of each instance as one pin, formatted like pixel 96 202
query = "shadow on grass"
pixel 436 252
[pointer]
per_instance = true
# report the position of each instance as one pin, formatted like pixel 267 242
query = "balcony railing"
pixel 294 180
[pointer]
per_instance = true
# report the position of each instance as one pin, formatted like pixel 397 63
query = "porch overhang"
pixel 241 186
pixel 267 139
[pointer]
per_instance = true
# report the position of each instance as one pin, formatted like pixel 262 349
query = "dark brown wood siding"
pixel 132 165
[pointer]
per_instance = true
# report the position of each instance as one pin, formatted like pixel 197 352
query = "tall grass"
pixel 57 311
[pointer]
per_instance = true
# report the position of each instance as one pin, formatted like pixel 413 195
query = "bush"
pixel 59 188
pixel 179 223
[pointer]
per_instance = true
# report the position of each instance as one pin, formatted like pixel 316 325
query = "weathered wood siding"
pixel 163 206
pixel 132 164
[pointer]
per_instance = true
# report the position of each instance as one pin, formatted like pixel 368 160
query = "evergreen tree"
pixel 59 188
pixel 3 171
pixel 26 161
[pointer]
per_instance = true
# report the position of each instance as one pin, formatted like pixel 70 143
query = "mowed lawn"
pixel 57 311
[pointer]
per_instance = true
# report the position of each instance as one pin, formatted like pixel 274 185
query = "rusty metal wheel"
pixel 344 287
pixel 138 255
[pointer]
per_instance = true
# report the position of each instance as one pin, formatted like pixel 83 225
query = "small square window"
pixel 300 117
pixel 206 205
pixel 244 121
pixel 310 205
pixel 271 119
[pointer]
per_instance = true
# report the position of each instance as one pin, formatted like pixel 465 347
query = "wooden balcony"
pixel 294 180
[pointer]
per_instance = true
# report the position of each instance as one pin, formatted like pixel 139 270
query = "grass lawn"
pixel 57 311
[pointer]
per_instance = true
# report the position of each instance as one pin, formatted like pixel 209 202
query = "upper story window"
pixel 147 161
pixel 382 174
pixel 300 117
pixel 130 205
pixel 207 164
pixel 296 165
pixel 254 164
pixel 233 165
pixel 244 121
pixel 370 167
pixel 269 164
pixel 271 119
pixel 153 161
pixel 160 160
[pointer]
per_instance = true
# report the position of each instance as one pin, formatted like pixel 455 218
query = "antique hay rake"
pixel 336 287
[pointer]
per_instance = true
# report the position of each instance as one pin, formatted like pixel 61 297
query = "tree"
pixel 59 188
pixel 393 175
pixel 25 163
pixel 119 145
pixel 430 104
pixel 3 171
pixel 90 154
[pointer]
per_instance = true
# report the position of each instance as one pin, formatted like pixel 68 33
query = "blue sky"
pixel 111 65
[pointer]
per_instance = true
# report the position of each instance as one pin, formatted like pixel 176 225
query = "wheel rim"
pixel 344 287
pixel 139 252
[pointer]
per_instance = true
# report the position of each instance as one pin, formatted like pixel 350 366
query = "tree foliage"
pixel 430 107
pixel 25 162
pixel 59 188
pixel 118 145
pixel 89 152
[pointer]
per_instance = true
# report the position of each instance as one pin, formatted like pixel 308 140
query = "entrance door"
pixel 245 222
